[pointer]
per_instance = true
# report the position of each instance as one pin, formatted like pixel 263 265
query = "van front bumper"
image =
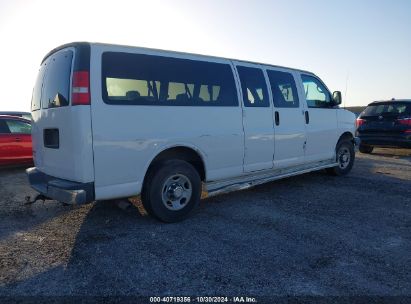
pixel 60 189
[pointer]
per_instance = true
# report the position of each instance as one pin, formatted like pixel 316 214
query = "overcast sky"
pixel 362 48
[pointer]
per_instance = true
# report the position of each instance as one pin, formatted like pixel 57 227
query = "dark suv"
pixel 385 124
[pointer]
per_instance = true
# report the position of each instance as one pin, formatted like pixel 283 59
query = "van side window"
pixel 56 88
pixel 137 79
pixel 253 86
pixel 283 89
pixel 316 93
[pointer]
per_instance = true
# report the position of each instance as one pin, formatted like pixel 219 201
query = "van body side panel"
pixel 126 138
pixel 345 121
pixel 321 134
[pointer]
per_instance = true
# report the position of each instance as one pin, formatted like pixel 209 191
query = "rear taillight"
pixel 404 121
pixel 359 122
pixel 80 88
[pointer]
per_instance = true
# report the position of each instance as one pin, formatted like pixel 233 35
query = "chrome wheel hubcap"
pixel 177 191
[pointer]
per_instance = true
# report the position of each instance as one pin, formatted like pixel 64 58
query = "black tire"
pixel 366 149
pixel 163 184
pixel 344 148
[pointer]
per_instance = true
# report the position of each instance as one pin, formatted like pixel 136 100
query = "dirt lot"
pixel 307 235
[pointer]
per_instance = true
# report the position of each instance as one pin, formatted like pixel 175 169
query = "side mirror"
pixel 337 98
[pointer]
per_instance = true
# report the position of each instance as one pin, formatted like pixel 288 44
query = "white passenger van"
pixel 115 121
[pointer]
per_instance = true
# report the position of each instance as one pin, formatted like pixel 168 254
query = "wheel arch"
pixel 182 152
pixel 346 136
pixel 336 170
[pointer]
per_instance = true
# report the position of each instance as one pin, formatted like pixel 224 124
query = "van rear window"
pixel 56 87
pixel 36 97
pixel 157 80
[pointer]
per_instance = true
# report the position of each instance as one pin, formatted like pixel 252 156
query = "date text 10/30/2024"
pixel 240 299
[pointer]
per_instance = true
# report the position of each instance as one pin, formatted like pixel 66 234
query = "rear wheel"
pixel 366 149
pixel 172 190
pixel 345 155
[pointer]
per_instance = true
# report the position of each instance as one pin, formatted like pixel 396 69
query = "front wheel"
pixel 172 190
pixel 345 155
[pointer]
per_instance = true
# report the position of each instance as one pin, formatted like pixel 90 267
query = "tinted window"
pixel 56 87
pixel 36 97
pixel 18 127
pixel 387 109
pixel 283 89
pixel 316 93
pixel 253 87
pixel 4 129
pixel 156 80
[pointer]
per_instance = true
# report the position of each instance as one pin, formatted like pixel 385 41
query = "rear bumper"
pixel 400 142
pixel 60 189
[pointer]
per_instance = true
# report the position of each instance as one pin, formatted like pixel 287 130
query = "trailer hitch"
pixel 38 197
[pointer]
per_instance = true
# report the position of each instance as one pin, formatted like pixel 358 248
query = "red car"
pixel 15 141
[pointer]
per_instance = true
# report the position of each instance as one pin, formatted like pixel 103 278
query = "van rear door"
pixel 62 138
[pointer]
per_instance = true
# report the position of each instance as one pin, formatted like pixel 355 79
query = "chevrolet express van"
pixel 115 121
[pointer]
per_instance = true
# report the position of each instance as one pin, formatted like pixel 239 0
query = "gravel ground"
pixel 307 235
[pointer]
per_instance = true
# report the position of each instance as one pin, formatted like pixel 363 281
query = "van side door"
pixel 288 118
pixel 321 120
pixel 257 118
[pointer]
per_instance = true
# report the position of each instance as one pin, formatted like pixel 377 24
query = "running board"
pixel 251 180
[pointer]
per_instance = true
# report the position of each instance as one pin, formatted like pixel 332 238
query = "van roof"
pixel 74 44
